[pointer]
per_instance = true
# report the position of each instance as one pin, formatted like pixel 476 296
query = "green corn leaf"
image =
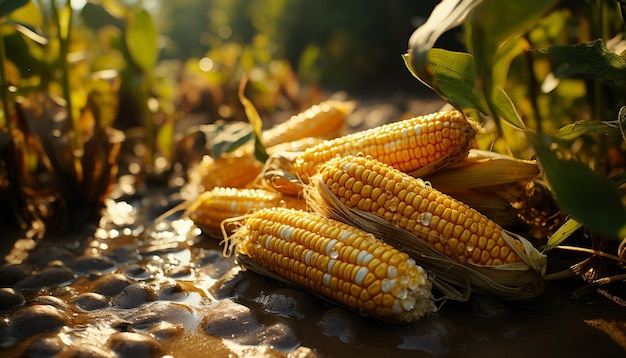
pixel 141 40
pixel 588 198
pixel 228 137
pixel 579 128
pixel 589 58
pixel 563 232
pixel 451 76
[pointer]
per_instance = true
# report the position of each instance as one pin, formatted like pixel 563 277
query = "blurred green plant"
pixel 59 149
pixel 550 76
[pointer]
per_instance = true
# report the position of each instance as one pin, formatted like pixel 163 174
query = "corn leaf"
pixel 141 40
pixel 491 25
pixel 255 119
pixel 563 232
pixel 590 58
pixel 506 109
pixel 228 137
pixel 447 15
pixel 587 197
pixel 579 128
pixel 452 78
pixel 8 6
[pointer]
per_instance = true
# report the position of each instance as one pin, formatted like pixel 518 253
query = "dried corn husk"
pixel 483 169
pixel 515 281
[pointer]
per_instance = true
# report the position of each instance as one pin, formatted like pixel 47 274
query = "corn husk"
pixel 515 281
pixel 483 169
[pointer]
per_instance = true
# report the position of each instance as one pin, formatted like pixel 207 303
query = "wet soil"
pixel 129 287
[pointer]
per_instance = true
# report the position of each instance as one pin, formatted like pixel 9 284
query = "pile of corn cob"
pixel 351 219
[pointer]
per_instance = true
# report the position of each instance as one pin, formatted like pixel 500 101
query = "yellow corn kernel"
pixel 326 120
pixel 450 226
pixel 212 207
pixel 418 145
pixel 337 261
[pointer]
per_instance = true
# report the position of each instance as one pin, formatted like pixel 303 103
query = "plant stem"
pixel 64 42
pixel 4 91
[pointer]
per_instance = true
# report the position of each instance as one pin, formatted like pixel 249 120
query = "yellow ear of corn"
pixel 240 168
pixel 454 230
pixel 234 170
pixel 418 145
pixel 450 226
pixel 326 120
pixel 212 207
pixel 336 261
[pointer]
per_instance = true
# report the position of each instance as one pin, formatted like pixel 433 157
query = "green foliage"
pixel 589 198
pixel 8 6
pixel 501 62
pixel 141 40
pixel 589 58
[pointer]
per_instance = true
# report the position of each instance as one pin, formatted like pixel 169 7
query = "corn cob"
pixel 326 119
pixel 418 145
pixel 448 225
pixel 240 168
pixel 337 261
pixel 233 170
pixel 212 207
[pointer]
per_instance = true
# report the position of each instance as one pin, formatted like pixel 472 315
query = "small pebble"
pixel 46 346
pixel 11 274
pixel 149 315
pixel 110 285
pixel 138 273
pixel 134 345
pixel 48 318
pixel 133 295
pixel 163 331
pixel 172 291
pixel 10 299
pixel 90 264
pixel 54 276
pixel 91 301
